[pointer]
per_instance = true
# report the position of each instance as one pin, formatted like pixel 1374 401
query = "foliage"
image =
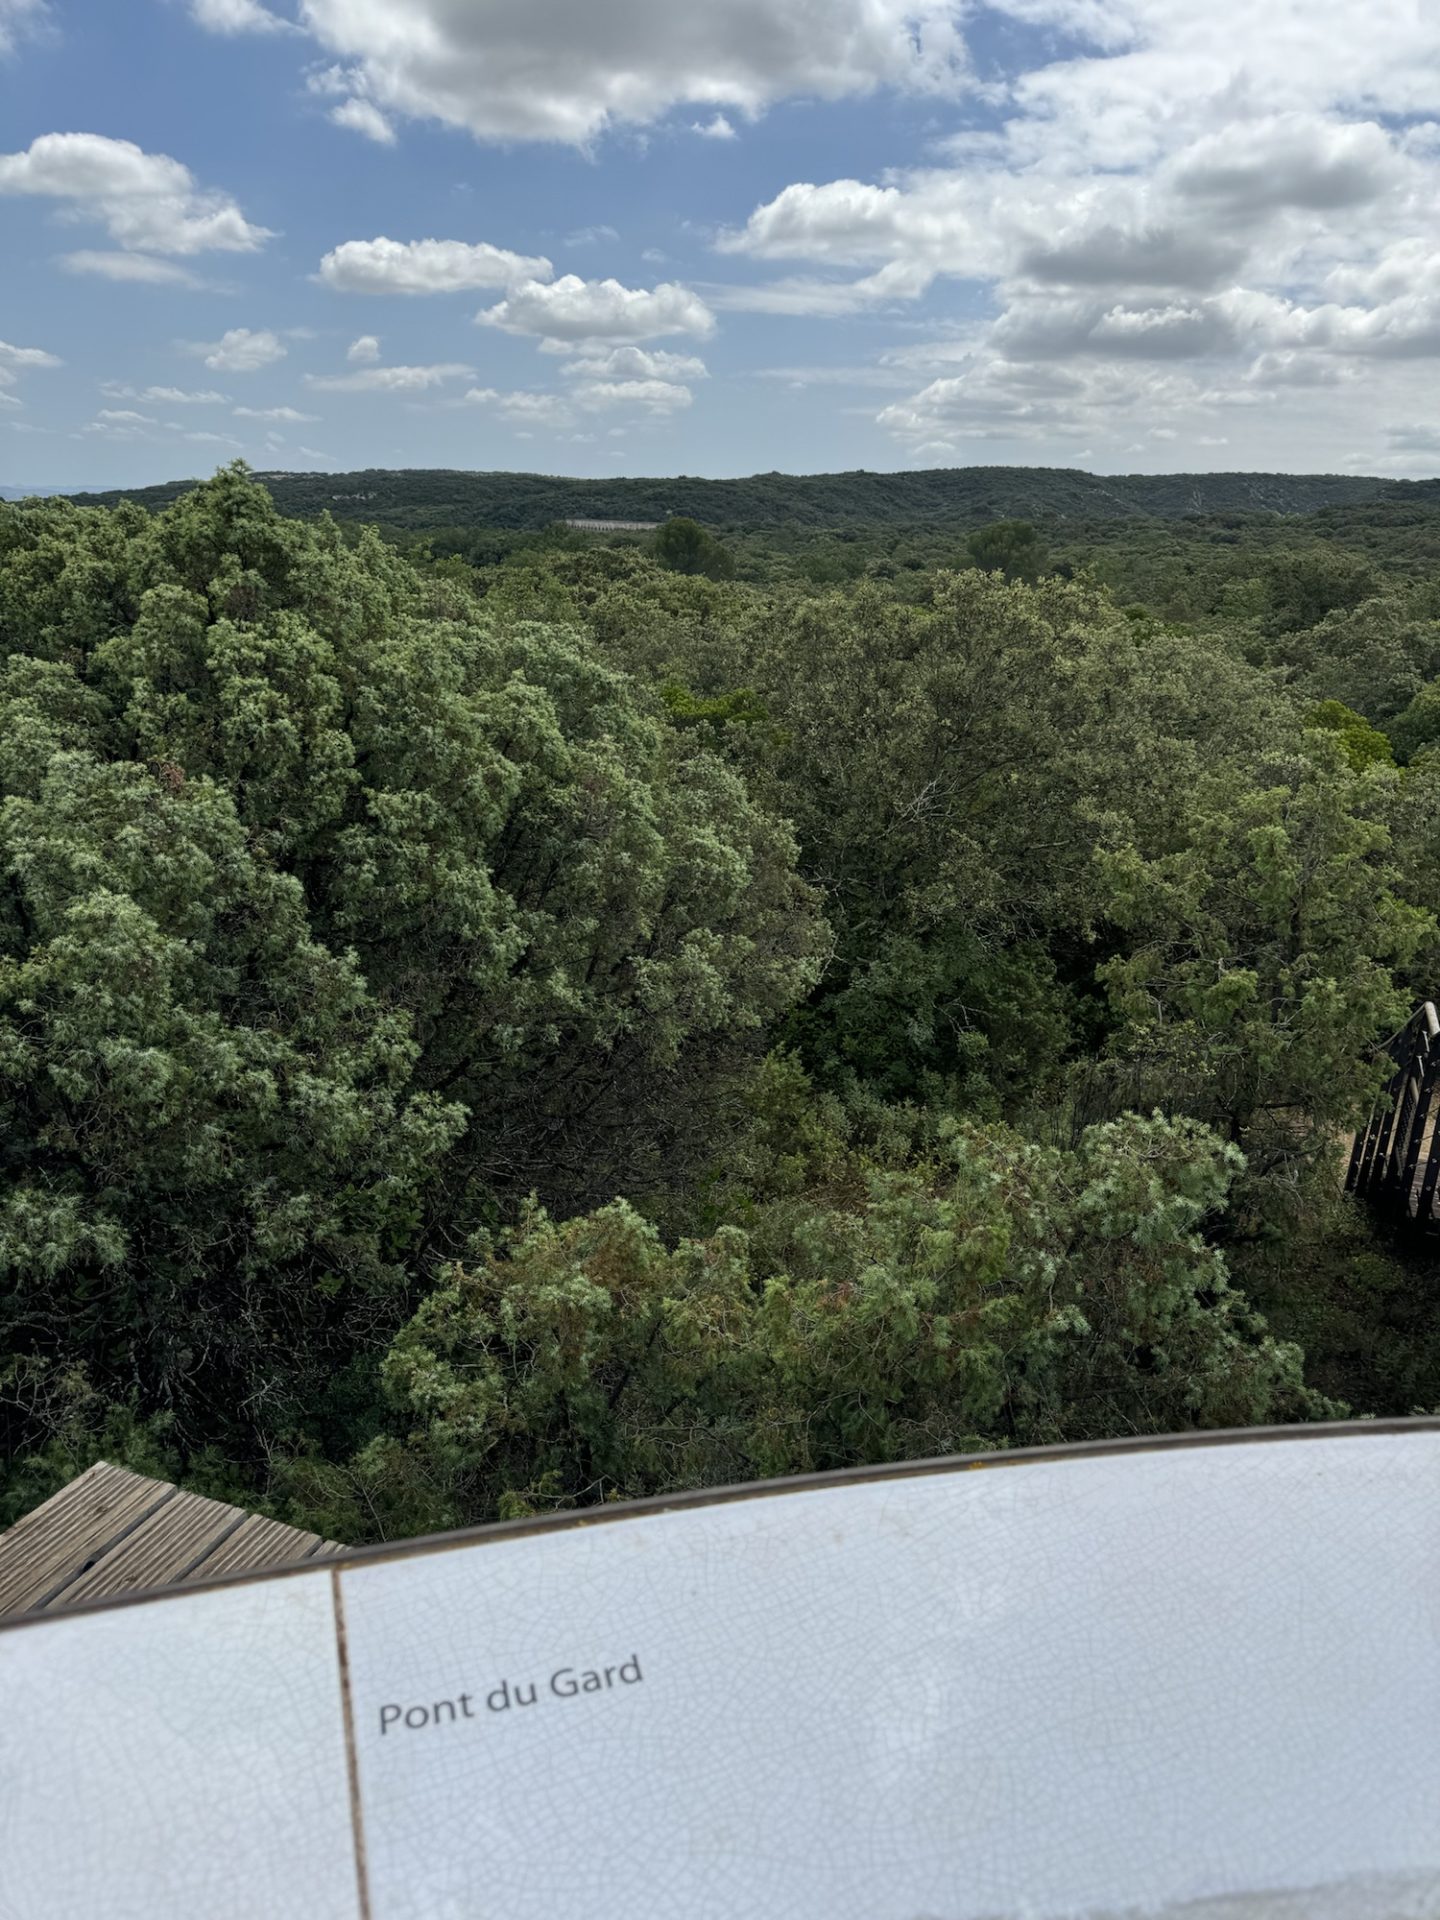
pixel 998 1295
pixel 497 1016
pixel 1011 547
pixel 685 547
pixel 1362 745
pixel 329 912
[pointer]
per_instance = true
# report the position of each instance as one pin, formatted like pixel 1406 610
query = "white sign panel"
pixel 1201 1679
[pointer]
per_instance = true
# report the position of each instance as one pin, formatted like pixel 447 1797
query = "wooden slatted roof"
pixel 112 1532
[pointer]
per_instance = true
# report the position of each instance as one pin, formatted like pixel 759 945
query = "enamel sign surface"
pixel 1198 1679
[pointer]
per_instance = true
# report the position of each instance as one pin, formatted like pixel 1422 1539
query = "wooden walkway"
pixel 111 1532
pixel 1395 1160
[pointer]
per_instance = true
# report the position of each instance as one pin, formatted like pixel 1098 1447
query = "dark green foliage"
pixel 685 547
pixel 1011 547
pixel 1418 726
pixel 328 915
pixel 992 1294
pixel 510 1017
pixel 967 496
pixel 1301 589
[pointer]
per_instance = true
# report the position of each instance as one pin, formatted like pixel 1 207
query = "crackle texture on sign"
pixel 1199 1681
pixel 1106 1684
pixel 178 1760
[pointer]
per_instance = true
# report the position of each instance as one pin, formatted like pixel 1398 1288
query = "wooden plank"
pixel 256 1544
pixel 45 1552
pixel 159 1552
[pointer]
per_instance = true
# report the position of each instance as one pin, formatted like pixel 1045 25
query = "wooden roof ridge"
pixel 110 1532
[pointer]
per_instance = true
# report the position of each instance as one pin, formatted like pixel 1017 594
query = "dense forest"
pixel 941 498
pixel 495 1019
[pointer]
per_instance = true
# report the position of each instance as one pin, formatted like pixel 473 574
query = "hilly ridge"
pixel 955 497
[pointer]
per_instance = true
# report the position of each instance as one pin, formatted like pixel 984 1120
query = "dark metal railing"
pixel 1395 1162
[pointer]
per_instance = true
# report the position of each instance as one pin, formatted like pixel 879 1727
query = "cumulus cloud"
pixel 426 266
pixel 524 408
pixel 364 352
pixel 641 393
pixel 635 363
pixel 237 16
pixel 1181 211
pixel 275 413
pixel 389 379
pixel 147 201
pixel 649 396
pixel 242 350
pixel 574 310
pixel 718 128
pixel 1288 160
pixel 363 116
pixel 555 70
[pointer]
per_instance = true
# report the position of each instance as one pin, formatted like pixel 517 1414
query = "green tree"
pixel 1304 586
pixel 684 546
pixel 1257 974
pixel 1363 745
pixel 333 913
pixel 996 1294
pixel 1012 547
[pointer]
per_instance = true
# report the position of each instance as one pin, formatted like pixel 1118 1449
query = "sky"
pixel 659 236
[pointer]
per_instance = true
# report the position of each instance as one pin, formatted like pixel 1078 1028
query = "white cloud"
pixel 121 423
pixel 13 357
pixel 426 266
pixel 808 296
pixel 142 268
pixel 363 116
pixel 719 128
pixel 635 363
pixel 1182 208
pixel 147 201
pixel 524 409
pixel 650 396
pixel 9 400
pixel 589 237
pixel 1288 160
pixel 389 379
pixel 558 70
pixel 165 396
pixel 364 352
pixel 290 414
pixel 237 16
pixel 18 18
pixel 575 310
pixel 242 350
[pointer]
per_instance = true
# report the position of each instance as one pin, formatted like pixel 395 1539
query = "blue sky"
pixel 626 236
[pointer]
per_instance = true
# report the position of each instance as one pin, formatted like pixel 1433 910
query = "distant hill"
pixel 962 497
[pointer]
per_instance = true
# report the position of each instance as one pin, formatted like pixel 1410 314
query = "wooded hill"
pixel 961 497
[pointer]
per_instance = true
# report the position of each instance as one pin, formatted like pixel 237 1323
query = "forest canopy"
pixel 487 1031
